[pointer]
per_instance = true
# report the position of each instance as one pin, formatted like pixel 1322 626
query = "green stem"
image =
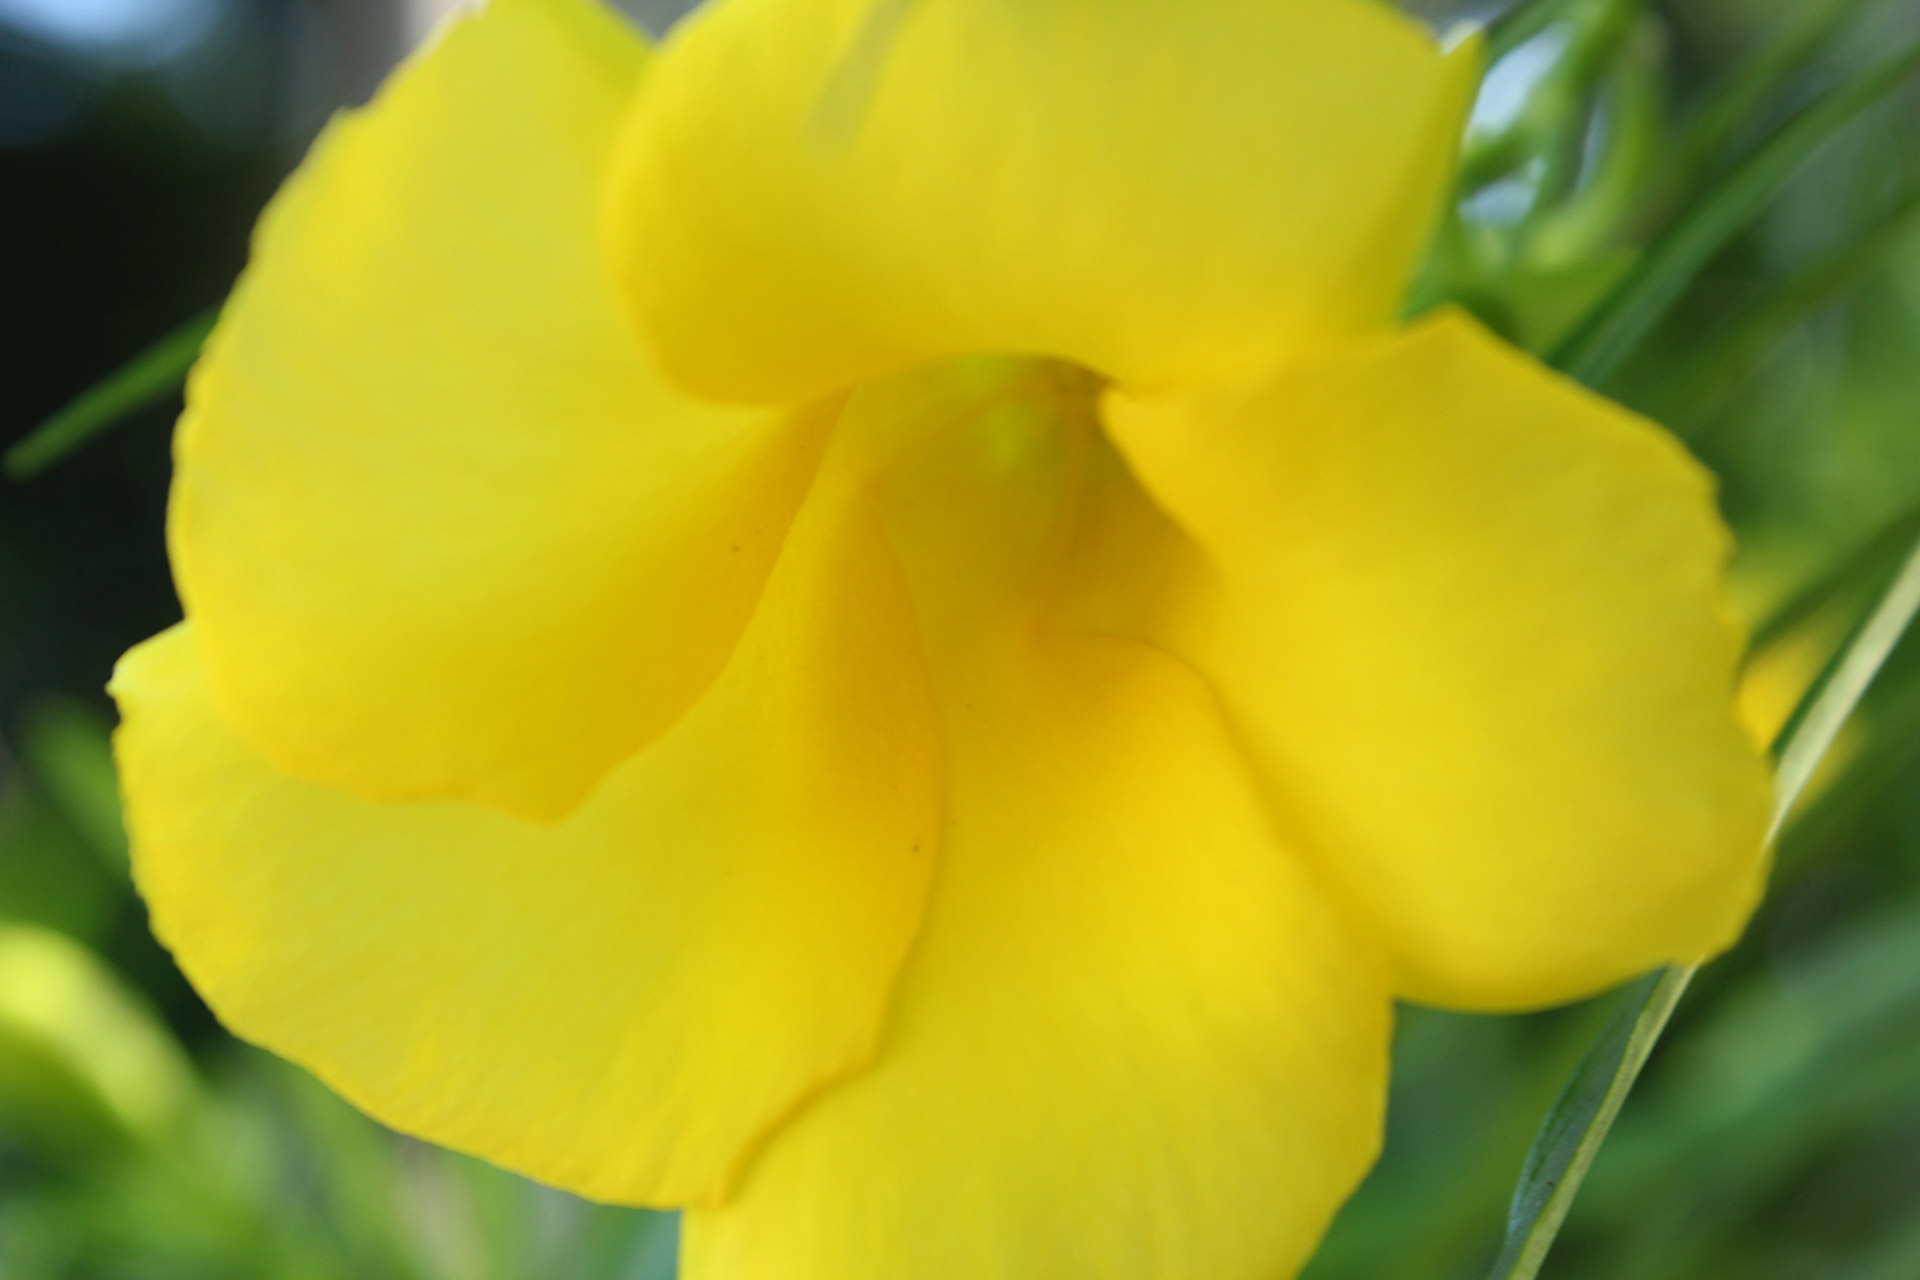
pixel 151 376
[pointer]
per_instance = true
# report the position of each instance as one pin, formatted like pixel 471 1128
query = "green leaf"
pixel 74 1034
pixel 1598 347
pixel 1741 96
pixel 1810 734
pixel 152 375
pixel 1519 21
pixel 1579 1120
pixel 1729 358
pixel 69 751
pixel 1895 1259
pixel 623 1244
pixel 1856 569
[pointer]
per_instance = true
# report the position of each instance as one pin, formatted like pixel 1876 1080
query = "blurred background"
pixel 1777 1132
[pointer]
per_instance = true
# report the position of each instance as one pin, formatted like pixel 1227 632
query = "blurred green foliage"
pixel 1776 1134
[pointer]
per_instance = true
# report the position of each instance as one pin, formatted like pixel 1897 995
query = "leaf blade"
pixel 1578 1122
pixel 1595 350
pixel 1579 1119
pixel 150 376
pixel 1811 732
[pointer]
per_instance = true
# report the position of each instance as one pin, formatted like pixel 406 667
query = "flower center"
pixel 979 467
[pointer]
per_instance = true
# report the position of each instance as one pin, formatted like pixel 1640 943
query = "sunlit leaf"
pixel 77 1024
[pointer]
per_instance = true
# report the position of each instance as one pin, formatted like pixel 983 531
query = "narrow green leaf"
pixel 1579 1119
pixel 1727 360
pixel 1805 28
pixel 1810 734
pixel 1871 559
pixel 152 375
pixel 1598 347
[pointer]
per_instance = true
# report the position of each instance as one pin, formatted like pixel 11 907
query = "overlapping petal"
pixel 810 192
pixel 441 528
pixel 1133 1041
pixel 557 760
pixel 1467 621
pixel 620 1003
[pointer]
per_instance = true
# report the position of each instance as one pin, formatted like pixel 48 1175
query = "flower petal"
pixel 814 191
pixel 1470 623
pixel 618 1004
pixel 441 529
pixel 1132 1041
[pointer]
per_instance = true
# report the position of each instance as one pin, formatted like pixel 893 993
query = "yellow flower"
pixel 871 629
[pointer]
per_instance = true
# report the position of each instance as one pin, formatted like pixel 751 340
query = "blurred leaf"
pixel 1810 734
pixel 1519 21
pixel 38 1240
pixel 48 875
pixel 61 1006
pixel 656 1255
pixel 1610 159
pixel 354 1170
pixel 1599 346
pixel 1723 362
pixel 1733 104
pixel 1543 63
pixel 1567 130
pixel 49 1112
pixel 1781 1049
pixel 1797 1064
pixel 499 1220
pixel 1897 1259
pixel 70 753
pixel 155 373
pixel 626 1244
pixel 1579 1120
pixel 1467 1092
pixel 1874 556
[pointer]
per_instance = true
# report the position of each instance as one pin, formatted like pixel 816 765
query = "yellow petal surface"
pixel 812 191
pixel 1469 623
pixel 618 1004
pixel 440 527
pixel 1132 1040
